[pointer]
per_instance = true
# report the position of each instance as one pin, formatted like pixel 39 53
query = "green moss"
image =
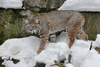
pixel 1 61
pixel 92 24
pixel 2 16
pixel 48 4
pixel 2 34
pixel 10 24
pixel 36 14
pixel 14 24
pixel 90 30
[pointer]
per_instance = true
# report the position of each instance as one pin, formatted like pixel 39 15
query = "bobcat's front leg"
pixel 44 39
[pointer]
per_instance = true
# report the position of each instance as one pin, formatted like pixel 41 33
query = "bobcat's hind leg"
pixel 74 24
pixel 71 34
pixel 84 36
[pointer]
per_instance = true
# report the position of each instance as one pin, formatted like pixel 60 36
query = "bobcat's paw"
pixel 39 50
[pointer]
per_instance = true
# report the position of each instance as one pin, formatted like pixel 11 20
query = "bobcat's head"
pixel 33 26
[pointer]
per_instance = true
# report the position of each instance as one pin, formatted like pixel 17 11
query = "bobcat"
pixel 48 23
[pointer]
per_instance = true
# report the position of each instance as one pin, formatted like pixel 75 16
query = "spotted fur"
pixel 49 23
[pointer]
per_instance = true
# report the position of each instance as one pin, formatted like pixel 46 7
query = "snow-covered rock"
pixel 79 51
pixel 81 5
pixel 54 51
pixel 25 50
pixel 69 65
pixel 11 4
pixel 92 59
pixel 47 4
pixel 97 42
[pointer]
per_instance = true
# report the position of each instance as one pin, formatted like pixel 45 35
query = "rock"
pixel 40 65
pixel 92 25
pixel 1 62
pixel 2 33
pixel 45 4
pixel 12 23
pixel 15 61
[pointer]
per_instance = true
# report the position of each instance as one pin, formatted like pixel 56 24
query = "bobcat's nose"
pixel 30 29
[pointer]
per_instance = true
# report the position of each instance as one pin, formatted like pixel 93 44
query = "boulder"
pixel 12 23
pixel 37 5
pixel 92 24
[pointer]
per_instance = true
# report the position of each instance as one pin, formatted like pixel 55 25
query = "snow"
pixel 81 5
pixel 25 50
pixel 53 51
pixel 92 59
pixel 97 42
pixel 16 4
pixel 69 65
pixel 79 51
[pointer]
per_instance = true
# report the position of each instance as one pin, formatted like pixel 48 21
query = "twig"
pixel 58 64
pixel 91 46
pixel 69 58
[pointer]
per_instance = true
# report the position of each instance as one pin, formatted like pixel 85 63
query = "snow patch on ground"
pixel 97 41
pixel 53 51
pixel 25 50
pixel 81 5
pixel 69 65
pixel 92 59
pixel 79 51
pixel 11 4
